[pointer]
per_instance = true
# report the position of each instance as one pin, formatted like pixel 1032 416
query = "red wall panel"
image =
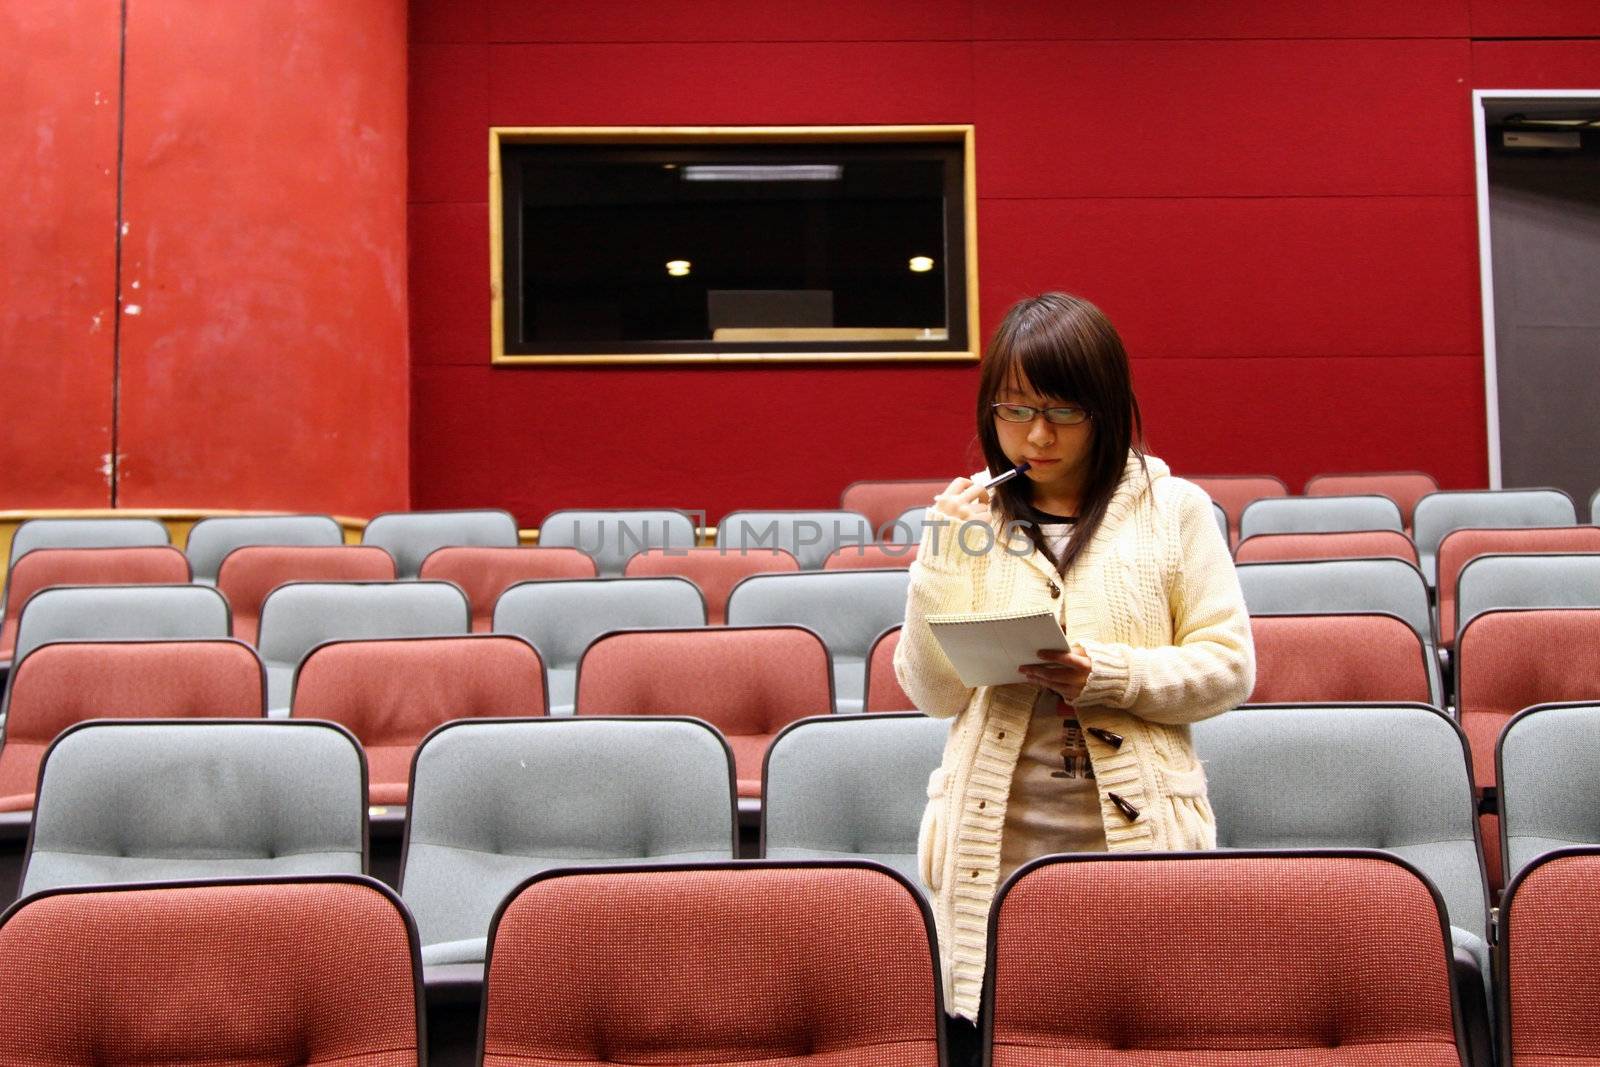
pixel 730 20
pixel 58 180
pixel 264 347
pixel 449 122
pixel 1535 18
pixel 1155 19
pixel 1536 64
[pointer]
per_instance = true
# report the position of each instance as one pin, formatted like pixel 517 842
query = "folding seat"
pixel 847 609
pixel 884 501
pixel 248 575
pixel 210 540
pixel 1289 958
pixel 850 787
pixel 1549 976
pixel 121 612
pixel 1544 580
pixel 86 533
pixel 870 557
pixel 1439 513
pixel 60 684
pixel 807 535
pixel 748 682
pixel 493 802
pixel 299 616
pixel 1232 492
pixel 907 528
pixel 409 536
pixel 1319 514
pixel 1405 488
pixel 1391 777
pixel 484 573
pixel 1461 547
pixel 882 687
pixel 1222 519
pixel 1594 508
pixel 1547 761
pixel 612 536
pixel 713 570
pixel 560 619
pixel 1355 544
pixel 317 971
pixel 1343 658
pixel 748 964
pixel 46 567
pixel 156 800
pixel 392 693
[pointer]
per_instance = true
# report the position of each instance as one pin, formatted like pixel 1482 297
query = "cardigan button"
pixel 1114 740
pixel 1055 591
pixel 1129 812
pixel 1000 735
pixel 982 804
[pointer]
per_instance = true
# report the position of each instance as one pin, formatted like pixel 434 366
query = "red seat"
pixel 1353 544
pixel 484 573
pixel 1461 547
pixel 767 965
pixel 869 557
pixel 1550 962
pixel 747 681
pixel 1234 491
pixel 57 685
pixel 883 692
pixel 1405 488
pixel 886 500
pixel 248 574
pixel 715 570
pixel 1303 659
pixel 45 567
pixel 392 693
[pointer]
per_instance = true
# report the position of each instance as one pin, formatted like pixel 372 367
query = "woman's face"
pixel 1057 455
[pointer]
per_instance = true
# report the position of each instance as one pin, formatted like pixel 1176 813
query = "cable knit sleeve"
pixel 941 582
pixel 1210 667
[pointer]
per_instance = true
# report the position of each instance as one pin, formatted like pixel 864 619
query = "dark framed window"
pixel 731 244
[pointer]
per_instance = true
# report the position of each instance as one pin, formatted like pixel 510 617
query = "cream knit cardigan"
pixel 1155 602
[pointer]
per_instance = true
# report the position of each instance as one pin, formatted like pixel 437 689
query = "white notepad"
pixel 987 649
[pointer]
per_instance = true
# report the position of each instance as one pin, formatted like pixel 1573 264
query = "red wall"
pixel 1274 202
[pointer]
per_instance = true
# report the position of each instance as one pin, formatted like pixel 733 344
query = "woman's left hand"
pixel 1064 672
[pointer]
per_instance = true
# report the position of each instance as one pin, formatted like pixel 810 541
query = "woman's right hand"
pixel 963 500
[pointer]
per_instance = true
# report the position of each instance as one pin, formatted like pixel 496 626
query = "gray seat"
pixel 1319 514
pixel 1344 586
pixel 1222 518
pixel 850 787
pixel 210 540
pixel 298 616
pixel 1555 580
pixel 121 612
pixel 158 800
pixel 907 529
pixel 409 536
pixel 560 617
pixel 1439 513
pixel 1549 778
pixel 1354 776
pixel 86 533
pixel 612 536
pixel 847 609
pixel 1594 509
pixel 496 801
pixel 809 536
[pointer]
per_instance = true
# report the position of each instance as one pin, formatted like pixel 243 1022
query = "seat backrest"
pixel 1439 513
pixel 870 557
pixel 299 616
pixel 1342 586
pixel 308 971
pixel 495 802
pixel 1232 492
pixel 748 682
pixel 210 540
pixel 1364 776
pixel 1548 764
pixel 847 609
pixel 1210 957
pixel 1460 547
pixel 1542 580
pixel 714 570
pixel 392 693
pixel 1350 544
pixel 250 573
pixel 850 785
pixel 153 800
pixel 46 567
pixel 121 612
pixel 1509 660
pixel 1548 978
pixel 1405 488
pixel 884 501
pixel 906 529
pixel 1344 658
pixel 484 573
pixel 562 618
pixel 1319 514
pixel 882 687
pixel 747 964
pixel 409 536
pixel 1594 508
pixel 612 536
pixel 86 533
pixel 808 535
pixel 1221 516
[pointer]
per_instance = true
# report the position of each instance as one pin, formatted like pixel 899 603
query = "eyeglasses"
pixel 1063 416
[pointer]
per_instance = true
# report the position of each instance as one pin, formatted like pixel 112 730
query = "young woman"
pixel 1094 753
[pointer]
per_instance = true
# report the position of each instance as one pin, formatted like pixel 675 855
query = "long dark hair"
pixel 1065 348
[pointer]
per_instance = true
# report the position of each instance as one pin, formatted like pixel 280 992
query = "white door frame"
pixel 1480 141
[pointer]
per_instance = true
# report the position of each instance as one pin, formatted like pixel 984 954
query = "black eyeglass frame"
pixel 1034 413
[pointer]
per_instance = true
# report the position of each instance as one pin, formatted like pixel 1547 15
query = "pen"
pixel 1005 476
